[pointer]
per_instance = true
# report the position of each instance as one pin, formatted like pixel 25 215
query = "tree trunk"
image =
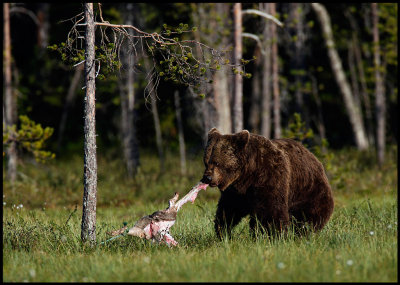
pixel 266 77
pixel 320 122
pixel 364 89
pixel 361 76
pixel 275 77
pixel 353 110
pixel 255 107
pixel 182 151
pixel 88 229
pixel 238 93
pixel 221 78
pixel 379 89
pixel 157 128
pixel 353 74
pixel 128 130
pixel 221 97
pixel 10 100
pixel 72 91
pixel 298 60
pixel 44 25
pixel 298 12
pixel 212 109
pixel 156 120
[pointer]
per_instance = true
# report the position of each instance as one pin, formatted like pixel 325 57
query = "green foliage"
pixel 180 65
pixel 388 16
pixel 177 64
pixel 297 129
pixel 68 56
pixel 106 56
pixel 42 91
pixel 30 136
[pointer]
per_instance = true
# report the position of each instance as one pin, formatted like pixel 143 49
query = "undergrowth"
pixel 42 217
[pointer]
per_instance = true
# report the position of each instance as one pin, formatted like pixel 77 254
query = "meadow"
pixel 42 218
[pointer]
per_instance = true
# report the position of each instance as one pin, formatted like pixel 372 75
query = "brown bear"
pixel 275 181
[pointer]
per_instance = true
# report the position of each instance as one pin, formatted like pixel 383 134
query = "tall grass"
pixel 41 242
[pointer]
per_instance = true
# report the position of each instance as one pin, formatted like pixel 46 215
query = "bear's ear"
pixel 213 134
pixel 242 138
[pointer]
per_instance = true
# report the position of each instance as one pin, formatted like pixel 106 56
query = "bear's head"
pixel 223 158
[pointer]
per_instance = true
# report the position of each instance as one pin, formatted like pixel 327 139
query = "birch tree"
pixel 237 115
pixel 266 77
pixel 265 45
pixel 221 78
pixel 212 21
pixel 275 77
pixel 355 45
pixel 353 111
pixel 379 89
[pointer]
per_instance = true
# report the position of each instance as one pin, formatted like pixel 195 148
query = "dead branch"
pixel 178 63
pixel 263 14
pixel 23 10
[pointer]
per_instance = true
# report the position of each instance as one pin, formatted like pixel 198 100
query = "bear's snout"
pixel 206 179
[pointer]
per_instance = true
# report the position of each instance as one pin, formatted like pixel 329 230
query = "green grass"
pixel 359 244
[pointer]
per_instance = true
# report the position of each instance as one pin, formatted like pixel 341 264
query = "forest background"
pixel 41 80
pixel 290 89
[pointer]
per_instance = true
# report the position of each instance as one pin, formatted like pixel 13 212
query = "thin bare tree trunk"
pixel 364 97
pixel 255 107
pixel 379 89
pixel 298 59
pixel 182 151
pixel 127 93
pixel 70 99
pixel 275 77
pixel 212 109
pixel 88 228
pixel 353 74
pixel 238 93
pixel 10 100
pixel 157 128
pixel 353 110
pixel 320 122
pixel 364 89
pixel 154 110
pixel 266 76
pixel 44 25
pixel 156 120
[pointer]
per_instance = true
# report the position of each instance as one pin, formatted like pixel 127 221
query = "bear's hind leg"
pixel 315 212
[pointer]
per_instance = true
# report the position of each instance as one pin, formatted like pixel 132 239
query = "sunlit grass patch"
pixel 41 238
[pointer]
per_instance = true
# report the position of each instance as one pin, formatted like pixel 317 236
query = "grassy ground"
pixel 41 240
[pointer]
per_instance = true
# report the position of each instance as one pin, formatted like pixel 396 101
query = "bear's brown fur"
pixel 274 181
